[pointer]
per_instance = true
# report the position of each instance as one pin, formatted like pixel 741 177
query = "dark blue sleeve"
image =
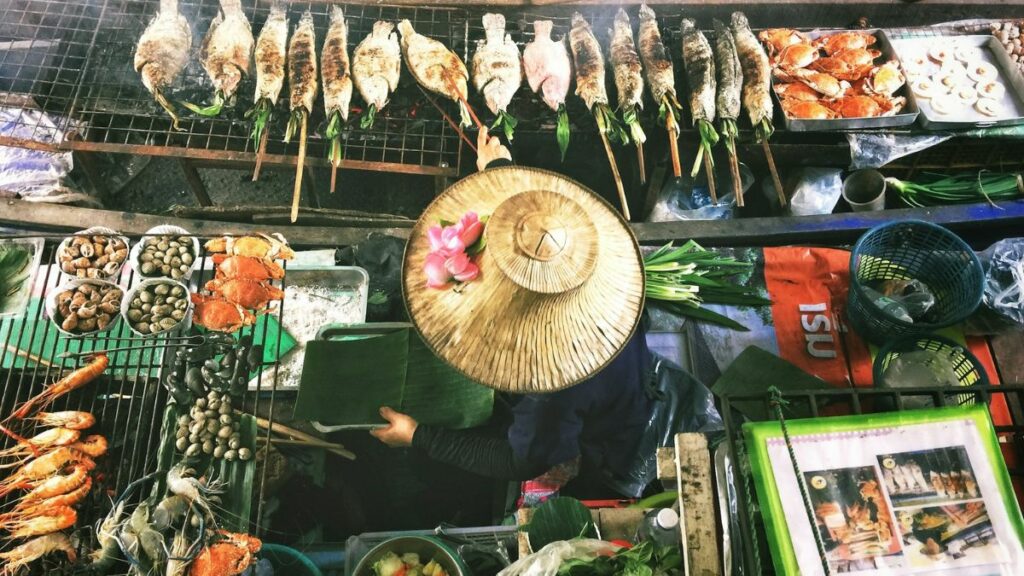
pixel 546 428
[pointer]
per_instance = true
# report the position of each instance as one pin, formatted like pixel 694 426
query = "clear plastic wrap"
pixel 817 191
pixel 1002 303
pixel 874 150
pixel 34 174
pixel 690 199
pixel 547 560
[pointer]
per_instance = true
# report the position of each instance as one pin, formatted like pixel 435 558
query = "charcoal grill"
pixel 127 400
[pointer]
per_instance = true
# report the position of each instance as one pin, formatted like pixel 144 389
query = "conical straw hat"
pixel 560 290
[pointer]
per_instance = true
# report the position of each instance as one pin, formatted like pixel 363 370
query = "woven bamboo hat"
pixel 560 290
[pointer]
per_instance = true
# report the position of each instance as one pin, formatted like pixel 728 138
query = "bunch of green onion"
pixel 680 280
pixel 938 189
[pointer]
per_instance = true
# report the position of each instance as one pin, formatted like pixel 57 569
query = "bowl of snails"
pixel 95 253
pixel 84 306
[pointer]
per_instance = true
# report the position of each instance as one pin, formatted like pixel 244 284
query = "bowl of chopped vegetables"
pixel 411 556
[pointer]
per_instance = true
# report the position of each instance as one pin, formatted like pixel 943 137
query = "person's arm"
pixel 466 449
pixel 490 153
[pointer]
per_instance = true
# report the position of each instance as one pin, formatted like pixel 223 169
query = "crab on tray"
pixel 837 80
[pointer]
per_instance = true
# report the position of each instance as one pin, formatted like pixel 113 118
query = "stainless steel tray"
pixel 992 52
pixel 906 117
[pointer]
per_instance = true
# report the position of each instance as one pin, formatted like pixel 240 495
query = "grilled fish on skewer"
pixel 302 87
pixel 699 62
pixel 628 74
pixel 337 80
pixel 589 64
pixel 549 71
pixel 376 67
pixel 757 82
pixel 435 67
pixel 163 52
pixel 226 53
pixel 727 102
pixel 271 51
pixel 497 71
pixel 660 80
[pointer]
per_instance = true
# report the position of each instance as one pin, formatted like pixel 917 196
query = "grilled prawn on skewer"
pixel 162 53
pixel 73 381
pixel 549 71
pixel 20 556
pixel 226 53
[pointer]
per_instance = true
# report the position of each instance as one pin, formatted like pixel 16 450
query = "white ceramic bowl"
pixel 165 230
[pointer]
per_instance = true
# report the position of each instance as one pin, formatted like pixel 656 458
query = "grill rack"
pixel 74 62
pixel 753 556
pixel 128 399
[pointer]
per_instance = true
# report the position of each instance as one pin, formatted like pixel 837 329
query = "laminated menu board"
pixel 906 493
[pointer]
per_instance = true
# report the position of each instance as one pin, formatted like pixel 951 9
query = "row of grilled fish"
pixel 743 72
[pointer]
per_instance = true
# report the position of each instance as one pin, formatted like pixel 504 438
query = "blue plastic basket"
pixel 912 249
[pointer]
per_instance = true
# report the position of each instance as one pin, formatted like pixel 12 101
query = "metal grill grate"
pixel 755 557
pixel 127 399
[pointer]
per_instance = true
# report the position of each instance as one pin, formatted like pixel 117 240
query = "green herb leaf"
pixel 208 111
pixel 562 132
pixel 368 117
pixel 559 519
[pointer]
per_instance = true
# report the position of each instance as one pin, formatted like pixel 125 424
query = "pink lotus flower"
pixel 461 267
pixel 470 229
pixel 437 273
pixel 448 260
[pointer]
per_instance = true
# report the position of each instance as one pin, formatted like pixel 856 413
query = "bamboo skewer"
pixel 640 161
pixel 334 176
pixel 472 114
pixel 709 171
pixel 774 171
pixel 737 179
pixel 308 444
pixel 673 143
pixel 299 435
pixel 29 356
pixel 455 126
pixel 297 194
pixel 615 174
pixel 260 151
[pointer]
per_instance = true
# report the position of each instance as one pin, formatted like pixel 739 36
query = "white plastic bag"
pixel 546 561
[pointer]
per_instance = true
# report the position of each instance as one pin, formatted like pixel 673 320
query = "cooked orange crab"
pixel 846 41
pixel 797 56
pixel 247 267
pixel 247 293
pixel 886 79
pixel 229 556
pixel 797 91
pixel 262 246
pixel 807 110
pixel 849 64
pixel 219 315
pixel 776 39
pixel 861 106
pixel 825 84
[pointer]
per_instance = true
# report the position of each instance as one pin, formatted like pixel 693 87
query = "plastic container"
pixel 968 369
pixel 660 525
pixel 165 230
pixel 427 547
pixel 912 250
pixel 289 561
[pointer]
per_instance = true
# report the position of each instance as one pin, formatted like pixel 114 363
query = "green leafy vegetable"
pixel 708 138
pixel 764 130
pixel 261 113
pixel 560 519
pixel 562 132
pixel 729 132
pixel 610 125
pixel 669 104
pixel 645 559
pixel 367 120
pixel 14 270
pixel 294 123
pixel 209 111
pixel 507 122
pixel 938 189
pixel 333 133
pixel 681 279
pixel 631 118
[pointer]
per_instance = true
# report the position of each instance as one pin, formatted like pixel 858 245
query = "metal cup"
pixel 864 190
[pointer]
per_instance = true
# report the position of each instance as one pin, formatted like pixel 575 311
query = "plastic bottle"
pixel 660 525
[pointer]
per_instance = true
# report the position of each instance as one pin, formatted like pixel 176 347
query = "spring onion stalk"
pixel 366 122
pixel 465 118
pixel 562 132
pixel 260 113
pixel 764 130
pixel 938 189
pixel 333 133
pixel 708 138
pixel 729 131
pixel 681 279
pixel 507 122
pixel 609 124
pixel 294 122
pixel 211 110
pixel 669 104
pixel 631 118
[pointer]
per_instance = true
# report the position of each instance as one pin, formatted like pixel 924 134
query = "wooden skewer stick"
pixel 298 434
pixel 297 193
pixel 455 126
pixel 29 356
pixel 615 174
pixel 472 114
pixel 673 143
pixel 709 171
pixel 640 161
pixel 334 176
pixel 774 171
pixel 737 179
pixel 307 444
pixel 260 152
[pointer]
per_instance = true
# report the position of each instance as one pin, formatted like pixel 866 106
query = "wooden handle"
pixel 774 171
pixel 297 193
pixel 615 175
pixel 298 434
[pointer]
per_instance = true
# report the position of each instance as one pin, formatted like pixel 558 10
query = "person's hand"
pixel 488 149
pixel 399 430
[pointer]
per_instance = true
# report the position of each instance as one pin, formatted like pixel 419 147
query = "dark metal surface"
pixel 127 400
pixel 755 558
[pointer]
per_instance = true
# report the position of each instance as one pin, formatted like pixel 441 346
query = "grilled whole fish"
pixel 162 52
pixel 756 71
pixel 730 73
pixel 377 64
pixel 547 65
pixel 699 63
pixel 497 72
pixel 435 67
pixel 271 51
pixel 227 48
pixel 589 63
pixel 626 68
pixel 302 83
pixel 334 66
pixel 656 60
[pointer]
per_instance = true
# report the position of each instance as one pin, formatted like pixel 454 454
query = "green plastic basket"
pixel 913 250
pixel 968 368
